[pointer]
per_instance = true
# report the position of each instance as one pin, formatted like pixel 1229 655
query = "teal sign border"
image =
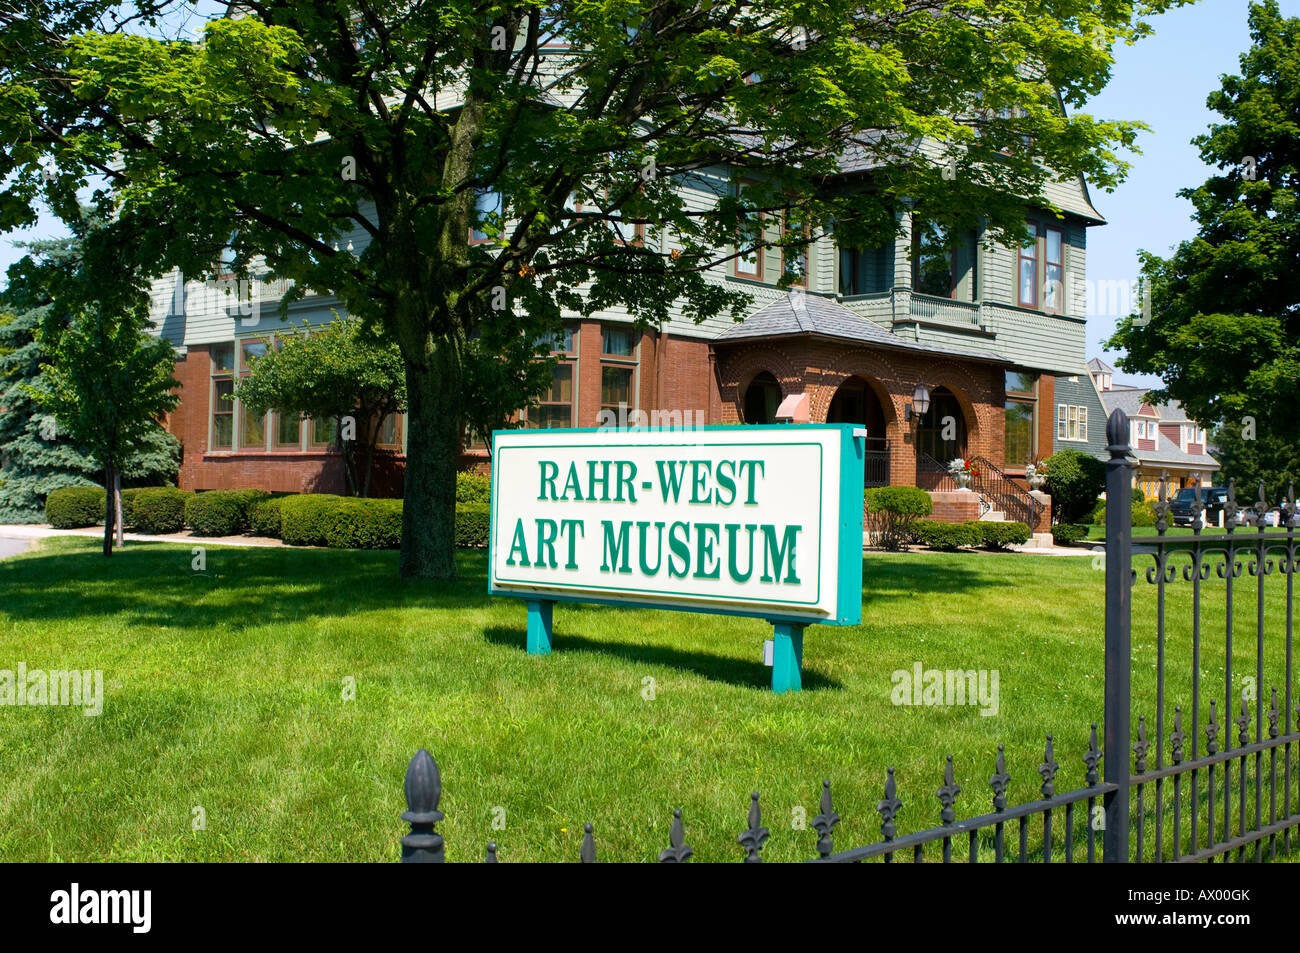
pixel 788 648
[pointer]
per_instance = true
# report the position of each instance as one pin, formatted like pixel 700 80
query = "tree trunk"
pixel 433 391
pixel 117 505
pixel 110 511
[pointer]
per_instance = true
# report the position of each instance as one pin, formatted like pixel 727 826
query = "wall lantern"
pixel 920 402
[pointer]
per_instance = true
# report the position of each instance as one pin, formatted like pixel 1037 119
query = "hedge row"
pixel 1142 513
pixel 222 512
pixel 1063 534
pixel 155 509
pixel 991 534
pixel 308 519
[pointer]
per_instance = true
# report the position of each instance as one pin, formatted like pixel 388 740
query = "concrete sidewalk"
pixel 39 531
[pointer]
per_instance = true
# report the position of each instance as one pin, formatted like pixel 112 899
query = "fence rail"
pixel 1118 774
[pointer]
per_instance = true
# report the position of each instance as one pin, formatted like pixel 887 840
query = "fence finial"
pixel 1048 770
pixel 423 791
pixel 752 839
pixel 824 823
pixel 948 794
pixel 1092 758
pixel 1141 746
pixel 1177 737
pixel 588 853
pixel 1000 780
pixel 888 807
pixel 677 851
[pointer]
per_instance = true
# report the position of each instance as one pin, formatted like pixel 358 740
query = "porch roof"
pixel 801 313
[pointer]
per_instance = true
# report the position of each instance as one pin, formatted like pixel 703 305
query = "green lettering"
pixel 613 547
pixel 568 526
pixel 774 555
pixel 572 483
pixel 698 480
pixel 754 467
pixel 548 480
pixel 547 531
pixel 625 480
pixel 659 547
pixel 726 482
pixel 704 551
pixel 670 479
pixel 681 548
pixel 518 546
pixel 732 549
pixel 603 479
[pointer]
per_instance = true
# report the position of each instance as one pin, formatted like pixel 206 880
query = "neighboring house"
pixel 1163 438
pixel 990 333
pixel 1080 415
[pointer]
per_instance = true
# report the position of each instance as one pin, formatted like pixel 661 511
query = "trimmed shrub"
pixel 999 534
pixel 264 517
pixel 891 511
pixel 75 507
pixel 1074 480
pixel 1140 514
pixel 473 521
pixel 354 523
pixel 221 512
pixel 1139 495
pixel 948 537
pixel 1063 534
pixel 473 488
pixel 1143 514
pixel 159 509
pixel 304 519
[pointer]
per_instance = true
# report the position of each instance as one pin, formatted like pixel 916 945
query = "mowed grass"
pixel 224 691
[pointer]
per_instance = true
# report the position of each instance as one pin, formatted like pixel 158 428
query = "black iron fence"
pixel 1135 802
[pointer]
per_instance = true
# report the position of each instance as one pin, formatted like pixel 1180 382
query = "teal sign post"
pixel 760 521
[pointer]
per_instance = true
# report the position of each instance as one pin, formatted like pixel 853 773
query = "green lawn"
pixel 223 691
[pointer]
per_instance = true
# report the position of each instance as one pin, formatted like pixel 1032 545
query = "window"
pixel 556 406
pixel 322 432
pixel 616 388
pixel 1071 422
pixel 222 357
pixel 794 258
pixel 252 428
pixel 749 259
pixel 390 433
pixel 288 431
pixel 618 342
pixel 933 265
pixel 1028 273
pixel 866 271
pixel 487 202
pixel 1020 412
pixel 1054 270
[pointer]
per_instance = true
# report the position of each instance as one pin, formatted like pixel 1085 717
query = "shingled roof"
pixel 797 313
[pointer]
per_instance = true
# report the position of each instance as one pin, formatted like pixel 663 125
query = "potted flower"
pixel 962 471
pixel 1036 474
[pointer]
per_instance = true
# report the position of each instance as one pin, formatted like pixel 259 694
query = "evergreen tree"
pixel 36 457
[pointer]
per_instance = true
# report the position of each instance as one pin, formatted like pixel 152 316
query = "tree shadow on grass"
pixel 717 668
pixel 157 584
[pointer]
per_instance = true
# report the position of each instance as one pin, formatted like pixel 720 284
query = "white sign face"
pixel 747 520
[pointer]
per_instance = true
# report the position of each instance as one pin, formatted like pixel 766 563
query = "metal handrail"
pixel 1009 496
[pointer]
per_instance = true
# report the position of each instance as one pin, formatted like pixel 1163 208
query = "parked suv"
pixel 1180 509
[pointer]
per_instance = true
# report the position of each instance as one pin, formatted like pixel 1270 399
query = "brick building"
pixel 987 332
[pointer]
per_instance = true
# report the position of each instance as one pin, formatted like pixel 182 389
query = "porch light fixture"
pixel 920 402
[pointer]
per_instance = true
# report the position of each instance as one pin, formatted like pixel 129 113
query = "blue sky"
pixel 1162 81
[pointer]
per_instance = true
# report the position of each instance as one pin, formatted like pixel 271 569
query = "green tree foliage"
pixel 107 383
pixel 37 457
pixel 302 122
pixel 331 373
pixel 1224 330
pixel 1074 481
